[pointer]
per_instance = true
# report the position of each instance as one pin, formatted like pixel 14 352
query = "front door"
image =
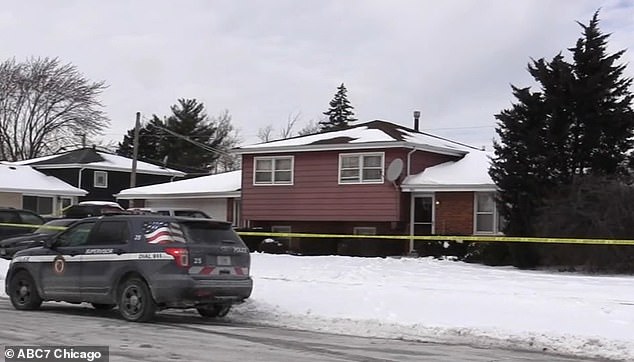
pixel 423 215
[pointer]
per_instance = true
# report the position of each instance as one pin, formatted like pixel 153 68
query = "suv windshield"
pixel 204 232
pixel 57 226
pixel 191 213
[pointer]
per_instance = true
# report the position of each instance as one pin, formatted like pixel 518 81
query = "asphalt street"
pixel 184 336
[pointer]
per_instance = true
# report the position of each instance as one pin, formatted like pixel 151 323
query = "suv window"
pixel 76 236
pixel 29 218
pixel 162 232
pixel 191 213
pixel 204 232
pixel 9 217
pixel 110 232
pixel 81 211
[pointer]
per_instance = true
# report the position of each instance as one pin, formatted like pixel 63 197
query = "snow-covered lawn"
pixel 435 300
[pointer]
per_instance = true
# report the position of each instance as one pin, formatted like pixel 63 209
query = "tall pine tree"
pixel 190 120
pixel 603 104
pixel 340 112
pixel 580 122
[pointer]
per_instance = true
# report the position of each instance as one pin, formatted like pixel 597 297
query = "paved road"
pixel 183 336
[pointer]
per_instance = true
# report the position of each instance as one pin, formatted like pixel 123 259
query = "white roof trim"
pixel 444 188
pixel 349 146
pixel 93 166
pixel 198 195
pixel 45 192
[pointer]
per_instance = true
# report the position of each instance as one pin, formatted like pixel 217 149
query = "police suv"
pixel 138 263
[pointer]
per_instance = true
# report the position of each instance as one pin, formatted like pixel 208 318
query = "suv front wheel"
pixel 23 293
pixel 135 301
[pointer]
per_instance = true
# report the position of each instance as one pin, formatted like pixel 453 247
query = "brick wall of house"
pixel 11 199
pixel 454 213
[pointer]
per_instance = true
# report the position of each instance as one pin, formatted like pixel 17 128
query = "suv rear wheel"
pixel 135 301
pixel 23 293
pixel 213 310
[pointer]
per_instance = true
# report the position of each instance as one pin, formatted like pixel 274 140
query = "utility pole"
pixel 135 152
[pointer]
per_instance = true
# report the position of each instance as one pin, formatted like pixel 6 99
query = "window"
pixel 40 205
pixel 273 170
pixel 364 230
pixel 66 202
pixel 110 232
pixel 101 179
pixel 76 236
pixel 487 218
pixel 30 219
pixel 361 168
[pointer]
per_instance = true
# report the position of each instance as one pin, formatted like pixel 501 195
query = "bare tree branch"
pixel 265 133
pixel 44 103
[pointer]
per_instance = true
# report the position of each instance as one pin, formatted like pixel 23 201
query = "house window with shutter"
pixel 273 170
pixel 101 179
pixel 361 168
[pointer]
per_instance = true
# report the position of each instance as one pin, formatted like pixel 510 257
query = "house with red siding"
pixel 371 178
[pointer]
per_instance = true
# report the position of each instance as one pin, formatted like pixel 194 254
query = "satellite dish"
pixel 394 170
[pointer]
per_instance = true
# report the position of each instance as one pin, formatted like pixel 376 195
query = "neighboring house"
pixel 100 173
pixel 217 195
pixel 372 178
pixel 22 187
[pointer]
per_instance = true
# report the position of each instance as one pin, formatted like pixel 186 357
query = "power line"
pixel 195 143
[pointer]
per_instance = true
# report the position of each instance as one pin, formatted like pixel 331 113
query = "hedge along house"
pixel 338 182
pixel 100 173
pixel 217 195
pixel 22 187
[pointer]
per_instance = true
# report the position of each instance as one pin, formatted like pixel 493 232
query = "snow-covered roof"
pixel 221 185
pixel 97 160
pixel 26 180
pixel 375 134
pixel 470 173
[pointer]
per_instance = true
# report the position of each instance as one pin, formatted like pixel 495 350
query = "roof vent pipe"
pixel 416 118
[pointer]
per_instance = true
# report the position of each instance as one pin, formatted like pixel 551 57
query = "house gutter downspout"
pixel 409 160
pixel 79 177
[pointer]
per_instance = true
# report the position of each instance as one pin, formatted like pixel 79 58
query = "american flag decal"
pixel 162 232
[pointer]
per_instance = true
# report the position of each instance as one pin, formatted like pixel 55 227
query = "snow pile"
pixel 443 301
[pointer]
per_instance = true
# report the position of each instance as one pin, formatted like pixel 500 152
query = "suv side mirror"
pixel 49 243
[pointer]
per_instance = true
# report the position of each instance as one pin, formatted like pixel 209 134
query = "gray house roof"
pixel 26 180
pixel 375 134
pixel 97 160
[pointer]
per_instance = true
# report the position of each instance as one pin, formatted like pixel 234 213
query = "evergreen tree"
pixel 158 145
pixel 580 122
pixel 603 104
pixel 340 112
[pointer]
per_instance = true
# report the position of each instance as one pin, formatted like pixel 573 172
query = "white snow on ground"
pixel 440 300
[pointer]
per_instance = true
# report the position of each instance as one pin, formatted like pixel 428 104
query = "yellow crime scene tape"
pixel 483 238
pixel 459 239
pixel 33 226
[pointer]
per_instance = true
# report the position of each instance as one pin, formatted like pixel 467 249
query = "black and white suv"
pixel 138 263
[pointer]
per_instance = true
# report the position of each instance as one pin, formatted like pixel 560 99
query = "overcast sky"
pixel 267 60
